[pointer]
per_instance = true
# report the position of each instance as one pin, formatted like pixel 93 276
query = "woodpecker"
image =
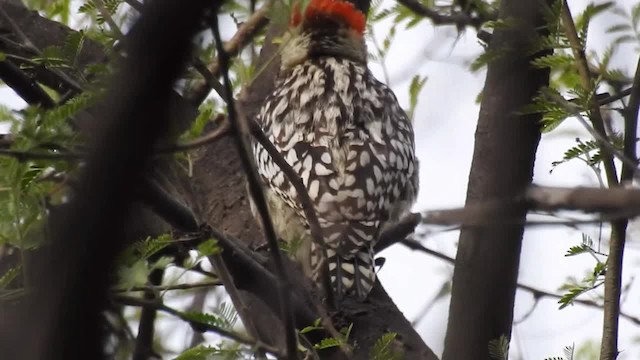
pixel 346 136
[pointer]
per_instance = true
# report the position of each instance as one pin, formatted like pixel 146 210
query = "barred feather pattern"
pixel 348 139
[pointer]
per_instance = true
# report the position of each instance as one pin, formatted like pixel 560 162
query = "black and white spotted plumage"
pixel 348 139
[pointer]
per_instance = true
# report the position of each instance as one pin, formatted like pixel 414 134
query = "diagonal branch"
pixel 239 130
pixel 459 19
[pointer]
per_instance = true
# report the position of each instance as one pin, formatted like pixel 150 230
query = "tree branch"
pixel 535 292
pixel 587 83
pixel 487 262
pixel 24 86
pixel 195 324
pixel 249 29
pixel 459 19
pixel 239 130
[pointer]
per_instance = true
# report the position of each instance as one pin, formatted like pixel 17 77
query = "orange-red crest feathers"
pixel 343 10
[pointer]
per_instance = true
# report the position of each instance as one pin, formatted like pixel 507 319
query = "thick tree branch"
pixel 485 275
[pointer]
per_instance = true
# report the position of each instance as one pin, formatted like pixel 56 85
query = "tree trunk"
pixel 486 268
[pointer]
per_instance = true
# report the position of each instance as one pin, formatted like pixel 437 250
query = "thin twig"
pixel 296 182
pixel 143 348
pixel 221 131
pixel 231 289
pixel 26 87
pixel 459 19
pixel 199 326
pixel 613 278
pixel 605 144
pixel 415 245
pixel 245 34
pixel 108 18
pixel 22 155
pixel 609 99
pixel 587 83
pixel 168 287
pixel 239 130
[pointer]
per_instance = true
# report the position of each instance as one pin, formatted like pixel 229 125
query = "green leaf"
pixel 207 318
pixel 9 276
pixel 209 247
pixel 133 275
pixel 316 326
pixel 200 352
pixel 553 61
pixel 578 249
pixel 573 292
pixel 499 348
pixel 383 348
pixel 417 83
pixel 327 343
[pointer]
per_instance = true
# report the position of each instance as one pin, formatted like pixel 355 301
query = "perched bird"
pixel 346 136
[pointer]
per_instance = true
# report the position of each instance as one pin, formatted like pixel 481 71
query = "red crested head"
pixel 332 9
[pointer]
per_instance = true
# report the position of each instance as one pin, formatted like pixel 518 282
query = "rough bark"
pixel 486 268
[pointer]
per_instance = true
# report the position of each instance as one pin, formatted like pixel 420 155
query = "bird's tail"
pixel 352 275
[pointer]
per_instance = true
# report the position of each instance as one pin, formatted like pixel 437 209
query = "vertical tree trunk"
pixel 486 269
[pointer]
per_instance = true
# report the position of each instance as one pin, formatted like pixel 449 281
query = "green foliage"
pixel 490 55
pixel 209 319
pixel 552 114
pixel 91 8
pixel 417 83
pixel 134 262
pixel 218 352
pixel 326 343
pixel 568 354
pixel 628 30
pixel 53 9
pixel 499 348
pixel 593 280
pixel 383 348
pixel 209 247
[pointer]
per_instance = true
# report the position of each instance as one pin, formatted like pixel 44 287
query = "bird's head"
pixel 333 28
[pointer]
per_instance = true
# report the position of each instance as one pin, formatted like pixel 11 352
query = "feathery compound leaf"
pixel 553 61
pixel 578 249
pixel 203 352
pixel 568 352
pixel 485 58
pixel 207 318
pixel 199 352
pixel 227 312
pixel 499 348
pixel 383 348
pixel 583 149
pixel 417 83
pixel 568 298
